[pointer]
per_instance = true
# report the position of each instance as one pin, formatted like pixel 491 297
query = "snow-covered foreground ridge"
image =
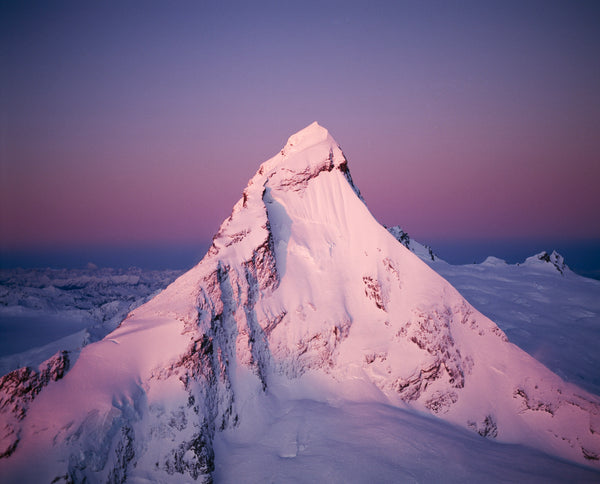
pixel 300 285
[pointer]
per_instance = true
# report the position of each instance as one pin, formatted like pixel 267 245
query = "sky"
pixel 137 124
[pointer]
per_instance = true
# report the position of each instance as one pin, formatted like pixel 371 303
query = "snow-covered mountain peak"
pixel 494 261
pixel 310 175
pixel 313 134
pixel 301 284
pixel 543 260
pixel 305 152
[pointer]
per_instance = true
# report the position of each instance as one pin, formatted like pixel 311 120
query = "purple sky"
pixel 142 123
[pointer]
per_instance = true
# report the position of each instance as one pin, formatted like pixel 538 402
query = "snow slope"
pixel 303 297
pixel 552 314
pixel 65 309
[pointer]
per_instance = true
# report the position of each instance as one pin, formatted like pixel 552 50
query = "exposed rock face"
pixel 544 261
pixel 299 280
pixel 18 389
pixel 423 251
pixel 554 259
pixel 487 428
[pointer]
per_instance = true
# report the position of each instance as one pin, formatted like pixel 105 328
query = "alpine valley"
pixel 310 344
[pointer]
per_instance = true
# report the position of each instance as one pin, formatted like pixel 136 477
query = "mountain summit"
pixel 302 295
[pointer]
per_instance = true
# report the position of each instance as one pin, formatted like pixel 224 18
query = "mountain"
pixel 553 261
pixel 304 304
pixel 423 251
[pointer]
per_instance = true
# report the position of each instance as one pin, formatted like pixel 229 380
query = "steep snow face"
pixel 300 282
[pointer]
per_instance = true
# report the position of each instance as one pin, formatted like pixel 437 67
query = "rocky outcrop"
pixel 431 332
pixel 18 389
pixel 553 261
pixel 423 251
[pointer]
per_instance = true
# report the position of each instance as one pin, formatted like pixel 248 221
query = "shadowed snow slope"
pixel 303 295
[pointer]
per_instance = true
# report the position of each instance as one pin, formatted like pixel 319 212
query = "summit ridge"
pixel 305 151
pixel 312 134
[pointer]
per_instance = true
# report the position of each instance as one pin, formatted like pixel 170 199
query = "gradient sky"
pixel 130 123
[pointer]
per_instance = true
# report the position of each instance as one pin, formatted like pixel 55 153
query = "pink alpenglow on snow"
pixel 303 304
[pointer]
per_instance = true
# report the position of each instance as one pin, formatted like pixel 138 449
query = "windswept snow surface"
pixel 308 340
pixel 543 307
pixel 306 441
